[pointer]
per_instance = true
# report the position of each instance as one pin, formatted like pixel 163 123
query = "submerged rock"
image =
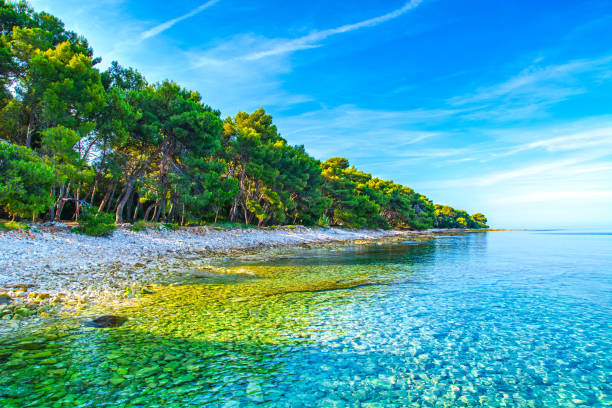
pixel 107 321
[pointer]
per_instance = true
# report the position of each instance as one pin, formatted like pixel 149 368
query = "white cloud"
pixel 166 25
pixel 358 133
pixel 530 93
pixel 555 196
pixel 550 82
pixel 575 141
pixel 310 40
pixel 539 170
pixel 230 52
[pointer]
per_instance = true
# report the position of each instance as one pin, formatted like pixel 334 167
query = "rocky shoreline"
pixel 50 268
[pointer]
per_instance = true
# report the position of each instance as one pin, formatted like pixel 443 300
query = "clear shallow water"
pixel 521 319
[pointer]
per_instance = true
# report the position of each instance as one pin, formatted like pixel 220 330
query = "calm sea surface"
pixel 513 319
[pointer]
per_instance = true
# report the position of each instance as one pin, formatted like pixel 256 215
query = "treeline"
pixel 75 136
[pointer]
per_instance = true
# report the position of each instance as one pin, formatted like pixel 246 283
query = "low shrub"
pixel 142 225
pixel 13 226
pixel 96 224
pixel 171 227
pixel 139 225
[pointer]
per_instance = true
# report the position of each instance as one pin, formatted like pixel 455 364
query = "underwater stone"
pixel 117 380
pixel 58 372
pixel 147 372
pixel 371 405
pixel 254 392
pixel 331 403
pixel 107 321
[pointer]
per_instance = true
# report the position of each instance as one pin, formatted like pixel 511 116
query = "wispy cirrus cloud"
pixel 158 29
pixel 231 51
pixel 533 90
pixel 254 75
pixel 543 82
pixel 311 40
pixel 556 196
pixel 588 139
pixel 389 133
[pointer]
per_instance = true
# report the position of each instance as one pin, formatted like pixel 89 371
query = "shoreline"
pixel 54 270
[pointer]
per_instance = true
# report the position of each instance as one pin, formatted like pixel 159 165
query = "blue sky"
pixel 499 107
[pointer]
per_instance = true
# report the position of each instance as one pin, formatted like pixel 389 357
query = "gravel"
pixel 56 261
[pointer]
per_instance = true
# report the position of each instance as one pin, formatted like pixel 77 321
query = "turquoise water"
pixel 515 319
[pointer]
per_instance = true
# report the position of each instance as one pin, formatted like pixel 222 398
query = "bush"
pixel 139 225
pixel 142 225
pixel 13 225
pixel 171 227
pixel 25 182
pixel 96 224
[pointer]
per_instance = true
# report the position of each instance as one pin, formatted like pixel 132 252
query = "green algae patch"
pixel 274 305
pixel 222 336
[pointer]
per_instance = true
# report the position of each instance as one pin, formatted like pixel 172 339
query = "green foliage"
pixel 448 217
pixel 13 226
pixel 354 203
pixel 142 225
pixel 277 183
pixel 171 226
pixel 25 182
pixel 158 156
pixel 478 220
pixel 96 224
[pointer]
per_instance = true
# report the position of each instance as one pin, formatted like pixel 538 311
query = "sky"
pixel 500 107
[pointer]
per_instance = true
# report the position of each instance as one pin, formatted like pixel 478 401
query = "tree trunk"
pixel 155 212
pixel 138 207
pixel 93 191
pixel 246 214
pixel 130 205
pixel 147 212
pixel 128 192
pixel 108 196
pixel 77 203
pixel 119 198
pixel 161 215
pixel 29 131
pixel 234 210
pixel 61 202
pixel 160 208
pixel 171 212
pixel 51 213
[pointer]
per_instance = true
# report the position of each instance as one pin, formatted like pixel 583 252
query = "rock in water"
pixel 107 321
pixel 5 299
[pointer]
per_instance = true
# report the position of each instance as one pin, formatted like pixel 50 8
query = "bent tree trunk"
pixel 61 201
pixel 138 207
pixel 148 211
pixel 107 197
pixel 128 193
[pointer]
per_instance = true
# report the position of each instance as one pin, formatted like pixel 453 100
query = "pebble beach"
pixel 50 266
